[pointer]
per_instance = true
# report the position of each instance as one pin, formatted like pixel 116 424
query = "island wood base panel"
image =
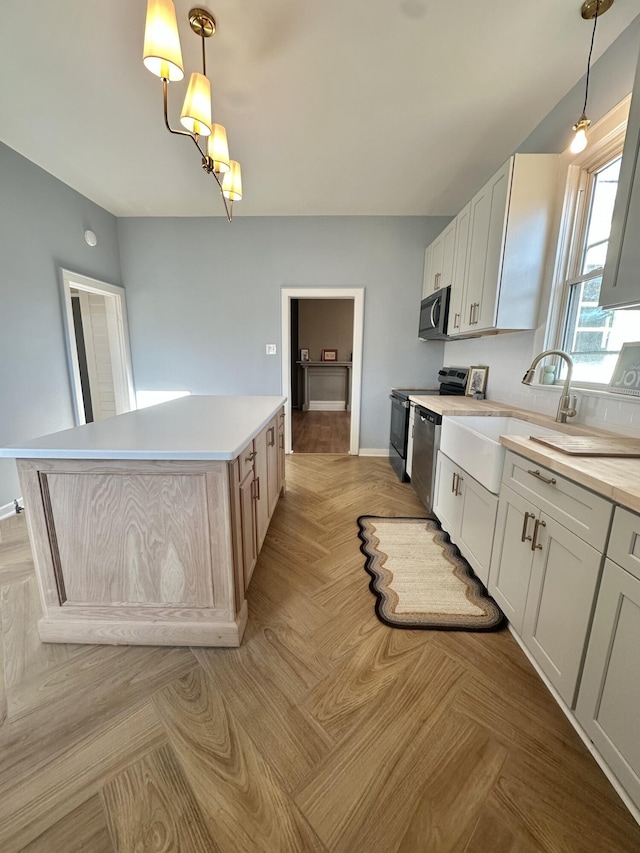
pixel 158 631
pixel 134 551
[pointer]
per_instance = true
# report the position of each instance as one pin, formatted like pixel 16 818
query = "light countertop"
pixel 615 478
pixel 193 427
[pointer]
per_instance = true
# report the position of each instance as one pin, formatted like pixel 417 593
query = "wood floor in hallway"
pixel 320 432
pixel 325 731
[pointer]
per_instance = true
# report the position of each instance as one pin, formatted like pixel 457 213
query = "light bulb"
pixel 579 141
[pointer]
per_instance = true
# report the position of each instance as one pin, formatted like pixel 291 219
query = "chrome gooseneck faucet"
pixel 567 404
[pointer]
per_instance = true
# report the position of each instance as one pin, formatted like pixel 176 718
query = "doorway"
pixel 323 395
pixel 97 339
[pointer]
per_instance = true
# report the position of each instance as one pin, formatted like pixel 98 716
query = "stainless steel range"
pixel 452 380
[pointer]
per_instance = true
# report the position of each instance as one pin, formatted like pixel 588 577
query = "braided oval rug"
pixel 419 578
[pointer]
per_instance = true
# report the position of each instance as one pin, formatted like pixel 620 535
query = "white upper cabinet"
pixel 509 223
pixel 621 281
pixel 438 262
pixel 461 243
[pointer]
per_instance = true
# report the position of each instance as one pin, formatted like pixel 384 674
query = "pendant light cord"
pixel 593 37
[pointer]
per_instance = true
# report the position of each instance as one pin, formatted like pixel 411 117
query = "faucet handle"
pixel 572 402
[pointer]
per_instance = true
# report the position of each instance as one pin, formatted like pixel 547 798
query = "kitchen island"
pixel 145 528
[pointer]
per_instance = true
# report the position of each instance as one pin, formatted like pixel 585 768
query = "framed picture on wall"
pixel 304 355
pixel 329 354
pixel 477 380
pixel 626 374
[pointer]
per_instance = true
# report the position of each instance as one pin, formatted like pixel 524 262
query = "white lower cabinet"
pixel 467 511
pixel 543 575
pixel 608 705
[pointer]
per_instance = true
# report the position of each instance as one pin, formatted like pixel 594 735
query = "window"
pixel 591 335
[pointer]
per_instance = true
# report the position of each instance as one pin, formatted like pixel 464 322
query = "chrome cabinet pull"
pixel 550 481
pixel 257 494
pixel 460 480
pixel 525 524
pixel 534 543
pixel 456 324
pixel 273 436
pixel 453 483
pixel 250 457
pixel 471 313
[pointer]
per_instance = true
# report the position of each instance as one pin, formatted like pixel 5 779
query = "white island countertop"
pixel 193 427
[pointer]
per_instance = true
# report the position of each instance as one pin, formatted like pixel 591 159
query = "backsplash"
pixel 509 355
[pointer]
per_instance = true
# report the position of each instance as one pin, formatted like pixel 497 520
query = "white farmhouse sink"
pixel 473 444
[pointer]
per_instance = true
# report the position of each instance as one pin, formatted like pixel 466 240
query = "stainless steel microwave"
pixel 434 315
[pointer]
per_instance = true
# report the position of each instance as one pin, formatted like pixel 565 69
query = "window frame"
pixel 606 141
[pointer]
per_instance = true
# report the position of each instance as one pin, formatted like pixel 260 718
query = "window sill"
pixel 587 390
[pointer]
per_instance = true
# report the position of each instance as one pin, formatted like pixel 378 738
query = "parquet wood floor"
pixel 325 731
pixel 320 432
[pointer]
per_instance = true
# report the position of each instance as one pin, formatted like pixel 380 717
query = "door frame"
pixel 357 295
pixel 118 328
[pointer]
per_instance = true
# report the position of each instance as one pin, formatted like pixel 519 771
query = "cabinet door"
pixel 562 589
pixel 248 526
pixel 281 454
pixel 272 465
pixel 461 244
pixel 620 282
pixel 609 696
pixel 448 252
pixel 486 241
pixel 261 488
pixel 446 502
pixel 477 524
pixel 427 280
pixel 437 256
pixel 512 556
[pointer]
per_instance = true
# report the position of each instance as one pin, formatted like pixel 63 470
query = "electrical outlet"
pixel 272 349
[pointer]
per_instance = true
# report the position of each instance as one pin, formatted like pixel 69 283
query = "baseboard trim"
pixel 8 510
pixel 327 405
pixel 584 737
pixel 373 451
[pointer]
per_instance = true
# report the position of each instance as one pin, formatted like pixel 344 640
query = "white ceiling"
pixel 360 107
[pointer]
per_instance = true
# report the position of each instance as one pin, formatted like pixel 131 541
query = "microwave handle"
pixel 433 308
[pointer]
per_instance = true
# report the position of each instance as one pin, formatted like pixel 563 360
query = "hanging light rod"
pixel 162 55
pixel 591 10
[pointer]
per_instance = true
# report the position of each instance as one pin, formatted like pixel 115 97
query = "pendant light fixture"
pixel 591 9
pixel 162 55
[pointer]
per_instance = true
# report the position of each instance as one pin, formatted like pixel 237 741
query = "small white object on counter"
pixel 193 427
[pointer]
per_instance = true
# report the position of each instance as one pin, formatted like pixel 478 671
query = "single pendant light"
pixel 590 9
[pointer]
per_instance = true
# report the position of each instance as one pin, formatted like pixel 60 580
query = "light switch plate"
pixel 272 349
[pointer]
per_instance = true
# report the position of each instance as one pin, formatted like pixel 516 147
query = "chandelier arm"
pixel 224 200
pixel 166 116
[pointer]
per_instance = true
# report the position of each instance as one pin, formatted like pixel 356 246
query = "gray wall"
pixel 326 324
pixel 42 225
pixel 203 298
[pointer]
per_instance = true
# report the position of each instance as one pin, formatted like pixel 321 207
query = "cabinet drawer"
pixel 624 543
pixel 245 461
pixel 576 508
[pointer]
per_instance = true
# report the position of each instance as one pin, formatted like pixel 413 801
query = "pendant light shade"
pixel 162 54
pixel 232 182
pixel 218 149
pixel 196 110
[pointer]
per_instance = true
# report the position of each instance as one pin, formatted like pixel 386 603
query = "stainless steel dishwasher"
pixel 426 441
